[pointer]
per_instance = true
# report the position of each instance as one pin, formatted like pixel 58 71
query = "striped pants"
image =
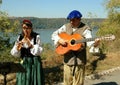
pixel 77 79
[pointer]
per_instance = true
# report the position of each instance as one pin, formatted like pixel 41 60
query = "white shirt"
pixel 86 34
pixel 36 50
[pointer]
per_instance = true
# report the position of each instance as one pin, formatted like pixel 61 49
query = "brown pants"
pixel 77 79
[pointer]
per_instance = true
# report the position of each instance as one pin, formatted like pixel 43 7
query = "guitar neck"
pixel 108 37
pixel 85 40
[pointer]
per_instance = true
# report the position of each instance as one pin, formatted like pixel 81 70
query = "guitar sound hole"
pixel 72 42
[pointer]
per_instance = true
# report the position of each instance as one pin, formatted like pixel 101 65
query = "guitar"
pixel 74 42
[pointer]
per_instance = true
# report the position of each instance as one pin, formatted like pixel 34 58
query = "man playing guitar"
pixel 74 61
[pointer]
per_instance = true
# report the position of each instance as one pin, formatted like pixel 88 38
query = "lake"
pixel 45 35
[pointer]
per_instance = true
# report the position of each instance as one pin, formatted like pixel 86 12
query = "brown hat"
pixel 27 22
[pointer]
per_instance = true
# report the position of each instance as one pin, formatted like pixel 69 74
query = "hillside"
pixel 49 23
pixel 52 62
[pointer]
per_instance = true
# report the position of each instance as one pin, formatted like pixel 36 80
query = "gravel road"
pixel 108 77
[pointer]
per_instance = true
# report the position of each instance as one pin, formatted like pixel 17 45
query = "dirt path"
pixel 109 79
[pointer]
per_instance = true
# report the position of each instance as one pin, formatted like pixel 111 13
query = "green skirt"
pixel 34 72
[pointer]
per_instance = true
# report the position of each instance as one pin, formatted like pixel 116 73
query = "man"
pixel 74 61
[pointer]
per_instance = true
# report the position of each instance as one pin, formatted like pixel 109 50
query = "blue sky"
pixel 53 8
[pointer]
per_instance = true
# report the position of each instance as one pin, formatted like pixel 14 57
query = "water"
pixel 45 35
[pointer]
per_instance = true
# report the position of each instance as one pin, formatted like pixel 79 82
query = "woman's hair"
pixel 27 22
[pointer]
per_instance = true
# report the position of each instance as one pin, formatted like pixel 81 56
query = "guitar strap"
pixel 75 62
pixel 82 27
pixel 80 30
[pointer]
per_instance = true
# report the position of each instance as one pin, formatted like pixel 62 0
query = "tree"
pixel 113 7
pixel 112 24
pixel 0 1
pixel 6 26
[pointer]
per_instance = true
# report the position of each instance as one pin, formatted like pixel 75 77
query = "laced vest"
pixel 80 55
pixel 25 52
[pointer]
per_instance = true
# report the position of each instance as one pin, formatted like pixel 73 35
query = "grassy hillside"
pixel 49 23
pixel 52 62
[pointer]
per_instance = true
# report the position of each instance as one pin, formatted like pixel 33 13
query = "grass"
pixel 95 64
pixel 53 64
pixel 111 60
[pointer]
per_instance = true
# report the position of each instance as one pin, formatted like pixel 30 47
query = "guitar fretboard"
pixel 85 40
pixel 112 37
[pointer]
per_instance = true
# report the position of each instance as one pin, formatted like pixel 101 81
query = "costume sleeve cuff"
pixel 36 50
pixel 94 49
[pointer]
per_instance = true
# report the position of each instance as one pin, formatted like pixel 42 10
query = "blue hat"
pixel 74 14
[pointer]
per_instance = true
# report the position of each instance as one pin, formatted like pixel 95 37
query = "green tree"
pixel 0 1
pixel 112 23
pixel 6 28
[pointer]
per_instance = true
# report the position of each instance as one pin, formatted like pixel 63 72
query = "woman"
pixel 28 47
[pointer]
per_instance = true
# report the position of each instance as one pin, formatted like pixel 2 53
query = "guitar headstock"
pixel 108 37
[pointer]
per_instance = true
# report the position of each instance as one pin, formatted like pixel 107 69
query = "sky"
pixel 53 8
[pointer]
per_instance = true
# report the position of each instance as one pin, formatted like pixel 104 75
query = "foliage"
pixel 6 26
pixel 47 50
pixel 52 61
pixel 113 7
pixel 43 23
pixel 0 1
pixel 4 21
pixel 50 23
pixel 113 4
pixel 111 25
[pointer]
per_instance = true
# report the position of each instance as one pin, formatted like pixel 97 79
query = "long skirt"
pixel 34 72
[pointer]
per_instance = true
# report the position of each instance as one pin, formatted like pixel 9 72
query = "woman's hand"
pixel 26 40
pixel 19 45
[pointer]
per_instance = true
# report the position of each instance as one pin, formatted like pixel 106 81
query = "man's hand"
pixel 62 42
pixel 97 42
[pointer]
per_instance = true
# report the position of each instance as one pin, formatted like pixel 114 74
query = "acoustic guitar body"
pixel 70 43
pixel 74 42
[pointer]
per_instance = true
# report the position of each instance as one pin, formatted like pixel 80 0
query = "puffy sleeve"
pixel 90 44
pixel 55 36
pixel 37 48
pixel 14 50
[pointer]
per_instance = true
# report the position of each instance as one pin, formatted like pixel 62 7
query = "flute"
pixel 21 43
